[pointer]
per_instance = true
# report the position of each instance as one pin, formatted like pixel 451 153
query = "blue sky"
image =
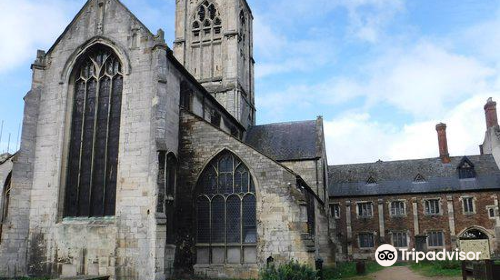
pixel 382 73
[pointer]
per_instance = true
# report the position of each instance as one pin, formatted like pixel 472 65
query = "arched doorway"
pixel 473 234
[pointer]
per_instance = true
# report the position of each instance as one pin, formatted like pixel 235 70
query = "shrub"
pixel 449 264
pixel 290 271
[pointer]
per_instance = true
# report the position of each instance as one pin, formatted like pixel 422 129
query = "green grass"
pixel 437 268
pixel 346 270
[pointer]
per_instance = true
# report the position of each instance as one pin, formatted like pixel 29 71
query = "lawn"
pixel 437 268
pixel 347 270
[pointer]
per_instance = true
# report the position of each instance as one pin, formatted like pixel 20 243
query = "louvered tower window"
pixel 226 213
pixel 95 129
pixel 206 51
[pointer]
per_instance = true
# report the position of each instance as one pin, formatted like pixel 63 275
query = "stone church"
pixel 139 161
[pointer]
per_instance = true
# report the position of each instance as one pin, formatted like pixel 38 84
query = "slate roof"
pixel 287 141
pixel 411 176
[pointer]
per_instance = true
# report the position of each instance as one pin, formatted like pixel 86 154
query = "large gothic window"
pixel 206 52
pixel 226 213
pixel 95 129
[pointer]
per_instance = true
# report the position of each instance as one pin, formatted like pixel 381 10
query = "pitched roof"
pixel 399 177
pixel 287 141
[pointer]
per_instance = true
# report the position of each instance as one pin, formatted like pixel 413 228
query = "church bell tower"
pixel 214 41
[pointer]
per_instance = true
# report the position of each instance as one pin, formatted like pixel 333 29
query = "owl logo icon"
pixel 386 255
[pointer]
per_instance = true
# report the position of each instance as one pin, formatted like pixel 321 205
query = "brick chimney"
pixel 443 143
pixel 490 111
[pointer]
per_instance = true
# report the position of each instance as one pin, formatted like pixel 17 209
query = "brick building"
pixel 425 204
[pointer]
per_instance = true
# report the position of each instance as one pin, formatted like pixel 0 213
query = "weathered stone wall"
pixel 230 58
pixel 311 171
pixel 279 223
pixel 451 220
pixel 125 246
pixel 13 248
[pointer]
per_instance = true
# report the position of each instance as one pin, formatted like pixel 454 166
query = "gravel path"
pixel 404 273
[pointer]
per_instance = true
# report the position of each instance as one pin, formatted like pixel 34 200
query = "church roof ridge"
pixel 285 123
pixel 381 162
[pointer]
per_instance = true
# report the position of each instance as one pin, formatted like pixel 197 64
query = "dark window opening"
pixel 371 180
pixel 466 169
pixel 335 211
pixel 95 130
pixel 215 118
pixel 186 97
pixel 432 207
pixel 4 207
pixel 435 239
pixel 366 240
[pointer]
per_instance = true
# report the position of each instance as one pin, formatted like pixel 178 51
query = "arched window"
pixel 4 207
pixel 206 53
pixel 95 129
pixel 226 213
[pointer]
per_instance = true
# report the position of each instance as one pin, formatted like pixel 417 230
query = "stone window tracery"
pixel 226 213
pixel 206 52
pixel 95 128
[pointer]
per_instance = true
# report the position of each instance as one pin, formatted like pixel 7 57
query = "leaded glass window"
pixel 366 240
pixel 226 212
pixel 95 129
pixel 435 239
pixel 432 207
pixel 400 239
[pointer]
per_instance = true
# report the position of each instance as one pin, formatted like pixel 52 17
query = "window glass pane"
pixel 249 220
pixel 203 219
pixel 218 220
pixel 233 219
pixel 366 240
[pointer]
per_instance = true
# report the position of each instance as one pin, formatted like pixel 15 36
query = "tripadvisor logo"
pixel 387 255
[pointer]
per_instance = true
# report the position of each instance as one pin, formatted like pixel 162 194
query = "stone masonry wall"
pixel 121 246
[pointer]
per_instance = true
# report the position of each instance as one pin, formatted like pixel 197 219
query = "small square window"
pixel 435 239
pixel 432 207
pixel 398 208
pixel 365 210
pixel 335 210
pixel 468 204
pixel 491 212
pixel 400 239
pixel 366 240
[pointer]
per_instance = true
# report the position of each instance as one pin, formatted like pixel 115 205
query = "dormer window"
pixel 466 169
pixel 371 181
pixel 419 179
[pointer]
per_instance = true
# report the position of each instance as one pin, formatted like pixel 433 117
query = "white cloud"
pixel 28 25
pixel 368 18
pixel 423 80
pixel 356 138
